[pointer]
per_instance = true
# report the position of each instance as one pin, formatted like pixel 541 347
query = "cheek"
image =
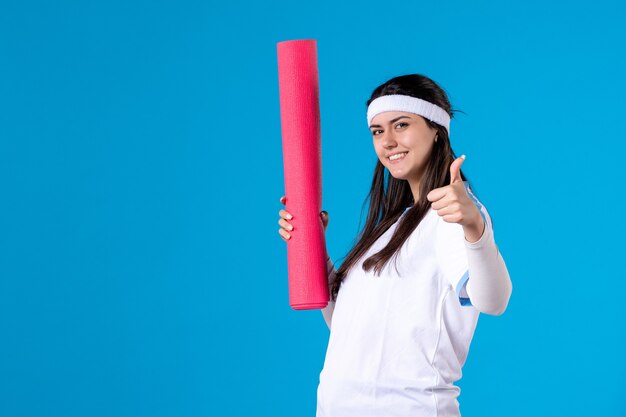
pixel 379 151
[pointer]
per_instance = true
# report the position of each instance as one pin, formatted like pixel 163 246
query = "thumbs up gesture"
pixel 454 205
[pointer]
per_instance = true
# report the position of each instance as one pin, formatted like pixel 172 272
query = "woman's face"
pixel 395 132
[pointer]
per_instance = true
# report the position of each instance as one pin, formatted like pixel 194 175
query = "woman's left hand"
pixel 453 203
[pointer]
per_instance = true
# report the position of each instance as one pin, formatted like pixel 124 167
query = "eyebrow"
pixel 391 121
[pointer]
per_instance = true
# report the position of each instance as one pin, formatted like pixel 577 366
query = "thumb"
pixel 455 169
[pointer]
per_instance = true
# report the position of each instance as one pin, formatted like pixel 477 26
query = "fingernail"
pixel 289 216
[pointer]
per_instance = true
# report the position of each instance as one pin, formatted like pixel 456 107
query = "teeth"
pixel 397 156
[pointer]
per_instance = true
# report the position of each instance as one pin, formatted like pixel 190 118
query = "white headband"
pixel 400 102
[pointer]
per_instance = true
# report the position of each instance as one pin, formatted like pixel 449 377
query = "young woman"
pixel 406 300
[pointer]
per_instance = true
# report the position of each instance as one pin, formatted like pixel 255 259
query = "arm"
pixel 489 286
pixel 327 311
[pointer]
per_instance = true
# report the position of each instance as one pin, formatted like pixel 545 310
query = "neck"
pixel 414 183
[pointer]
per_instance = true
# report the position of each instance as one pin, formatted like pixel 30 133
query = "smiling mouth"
pixel 397 157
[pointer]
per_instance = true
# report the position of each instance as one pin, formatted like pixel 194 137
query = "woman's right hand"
pixel 287 227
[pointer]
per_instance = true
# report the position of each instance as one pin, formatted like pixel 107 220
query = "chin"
pixel 401 176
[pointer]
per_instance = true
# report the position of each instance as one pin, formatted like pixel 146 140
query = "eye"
pixel 402 123
pixel 374 132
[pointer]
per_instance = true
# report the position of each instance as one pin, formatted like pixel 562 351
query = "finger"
pixel 282 199
pixel 285 214
pixel 439 204
pixel 285 224
pixel 324 217
pixel 437 194
pixel 284 234
pixel 452 218
pixel 452 208
pixel 455 169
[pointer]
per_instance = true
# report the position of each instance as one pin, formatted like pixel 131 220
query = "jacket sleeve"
pixel 475 270
pixel 489 286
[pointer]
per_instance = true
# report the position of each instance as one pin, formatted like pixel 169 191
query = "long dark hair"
pixel 388 196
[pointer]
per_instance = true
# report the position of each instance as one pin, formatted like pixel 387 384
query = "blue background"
pixel 141 270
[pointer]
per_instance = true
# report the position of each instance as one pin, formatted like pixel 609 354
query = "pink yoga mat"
pixel 302 155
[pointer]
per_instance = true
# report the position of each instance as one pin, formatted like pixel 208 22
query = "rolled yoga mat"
pixel 302 155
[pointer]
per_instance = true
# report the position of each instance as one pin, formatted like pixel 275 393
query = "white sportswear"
pixel 398 341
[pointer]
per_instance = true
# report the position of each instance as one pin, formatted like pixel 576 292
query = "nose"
pixel 389 138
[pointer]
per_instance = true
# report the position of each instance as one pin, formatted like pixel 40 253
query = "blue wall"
pixel 141 272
